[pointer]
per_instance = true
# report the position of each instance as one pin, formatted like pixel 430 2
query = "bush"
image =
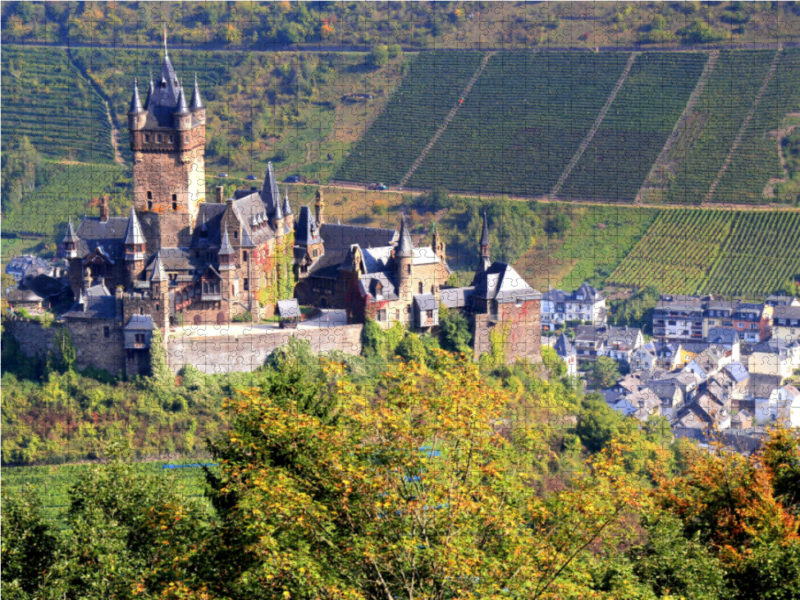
pixel 378 57
pixel 245 317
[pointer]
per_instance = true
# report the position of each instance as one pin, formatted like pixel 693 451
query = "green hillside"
pixel 734 253
pixel 46 98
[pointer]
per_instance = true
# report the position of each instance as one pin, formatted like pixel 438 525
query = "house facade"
pixel 585 304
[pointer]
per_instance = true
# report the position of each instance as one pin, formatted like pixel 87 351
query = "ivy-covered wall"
pixel 280 276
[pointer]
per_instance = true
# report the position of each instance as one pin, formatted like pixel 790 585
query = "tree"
pixel 378 56
pixel 658 23
pixel 159 370
pixel 556 367
pixel 604 372
pixel 598 423
pixel 412 349
pixel 454 333
pixel 559 225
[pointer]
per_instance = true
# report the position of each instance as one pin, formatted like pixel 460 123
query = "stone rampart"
pixel 247 352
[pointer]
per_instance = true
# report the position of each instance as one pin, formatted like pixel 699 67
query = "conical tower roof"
pixel 287 208
pixel 136 102
pixel 158 270
pixel 133 235
pixel 270 195
pixel 182 108
pixel 278 209
pixel 485 232
pixel 70 235
pixel 197 101
pixel 405 248
pixel 226 248
pixel 148 102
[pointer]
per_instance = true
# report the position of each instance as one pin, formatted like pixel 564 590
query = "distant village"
pixel 716 369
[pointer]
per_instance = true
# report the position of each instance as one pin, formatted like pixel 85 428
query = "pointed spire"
pixel 136 103
pixel 158 270
pixel 485 233
pixel 182 108
pixel 278 210
pixel 148 101
pixel 287 208
pixel 70 235
pixel 166 54
pixel 197 101
pixel 405 247
pixel 133 235
pixel 226 248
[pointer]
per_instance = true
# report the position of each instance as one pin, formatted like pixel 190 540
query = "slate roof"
pixel 133 232
pixel 246 209
pixel 288 309
pixel 270 194
pixel 207 233
pixel 341 237
pixel 110 235
pixel 21 295
pixel 563 346
pixel 197 101
pixel 761 386
pixel 136 102
pixel 46 286
pixel 70 235
pixel 425 302
pixel 140 323
pixel 786 312
pixel 305 229
pixel 99 303
pixel 503 284
pixel 368 285
pixel 405 247
pixel 737 372
pixel 723 335
pixel 456 297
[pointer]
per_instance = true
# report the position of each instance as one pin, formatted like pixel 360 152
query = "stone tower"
pixel 168 139
pixel 319 207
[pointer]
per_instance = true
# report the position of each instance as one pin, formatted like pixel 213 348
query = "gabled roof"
pixel 338 236
pixel 97 300
pixel 786 312
pixel 588 292
pixel 563 346
pixel 426 302
pixel 246 209
pixel 456 297
pixel 140 323
pixel 225 248
pixel 370 285
pixel 158 271
pixel 723 335
pixel 110 234
pixel 502 283
pixel 737 372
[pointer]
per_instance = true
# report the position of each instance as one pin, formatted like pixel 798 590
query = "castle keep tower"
pixel 168 139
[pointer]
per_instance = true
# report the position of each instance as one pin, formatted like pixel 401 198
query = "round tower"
pixel 404 259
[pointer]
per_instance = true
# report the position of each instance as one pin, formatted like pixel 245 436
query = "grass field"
pixel 732 253
pixel 46 98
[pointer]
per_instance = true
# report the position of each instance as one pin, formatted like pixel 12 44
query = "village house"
pixel 786 323
pixel 585 304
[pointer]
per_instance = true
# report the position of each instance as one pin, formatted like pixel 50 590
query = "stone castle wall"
pixel 520 326
pixel 224 354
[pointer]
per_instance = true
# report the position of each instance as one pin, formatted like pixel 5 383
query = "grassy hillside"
pixel 733 253
pixel 46 99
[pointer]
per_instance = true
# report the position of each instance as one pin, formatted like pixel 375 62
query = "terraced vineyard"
pixel 46 98
pixel 736 253
pixel 756 160
pixel 636 127
pixel 720 112
pixel 521 123
pixel 68 193
pixel 417 109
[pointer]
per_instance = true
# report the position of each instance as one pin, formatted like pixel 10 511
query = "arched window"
pixel 421 288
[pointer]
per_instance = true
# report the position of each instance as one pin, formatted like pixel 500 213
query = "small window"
pixel 421 288
pixel 157 306
pixel 170 139
pixel 186 137
pixel 246 283
pixel 107 332
pixel 408 269
pixel 158 138
pixel 149 195
pixel 244 256
pixel 141 310
pixel 397 314
pixel 146 137
pixel 236 235
pixel 174 201
pixel 139 338
pixel 381 315
pixel 315 253
pixel 150 205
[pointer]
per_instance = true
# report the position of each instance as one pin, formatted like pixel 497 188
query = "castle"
pixel 178 260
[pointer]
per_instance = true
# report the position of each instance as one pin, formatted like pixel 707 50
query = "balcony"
pixel 210 297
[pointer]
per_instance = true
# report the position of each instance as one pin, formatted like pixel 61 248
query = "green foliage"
pixel 454 333
pixel 412 349
pixel 604 372
pixel 378 56
pixel 245 317
pixel 28 541
pixel 637 310
pixel 598 423
pixel 555 366
pixel 701 32
pixel 160 372
pixel 559 224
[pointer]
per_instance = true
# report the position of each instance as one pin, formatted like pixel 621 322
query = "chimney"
pixel 104 209
pixel 220 194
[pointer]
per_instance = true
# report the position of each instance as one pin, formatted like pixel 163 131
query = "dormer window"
pixel 158 138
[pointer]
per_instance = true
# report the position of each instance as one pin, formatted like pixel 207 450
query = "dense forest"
pixel 439 478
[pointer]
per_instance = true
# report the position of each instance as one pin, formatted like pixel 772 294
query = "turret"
pixel 148 102
pixel 277 220
pixel 484 259
pixel 226 254
pixel 270 195
pixel 288 215
pixel 183 116
pixel 319 207
pixel 159 277
pixel 134 239
pixel 104 209
pixel 404 259
pixel 136 115
pixel 438 242
pixel 196 106
pixel 70 241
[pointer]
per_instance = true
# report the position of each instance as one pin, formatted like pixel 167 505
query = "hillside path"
pixel 680 125
pixel 447 119
pixel 588 139
pixel 743 128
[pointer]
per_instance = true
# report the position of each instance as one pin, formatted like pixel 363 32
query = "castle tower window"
pixel 186 137
pixel 421 288
pixel 158 138
pixel 146 137
pixel 236 235
pixel 408 269
pixel 315 253
pixel 158 306
pixel 107 332
pixel 244 258
pixel 149 195
pixel 174 201
pixel 149 205
pixel 141 310
pixel 246 283
pixel 170 139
